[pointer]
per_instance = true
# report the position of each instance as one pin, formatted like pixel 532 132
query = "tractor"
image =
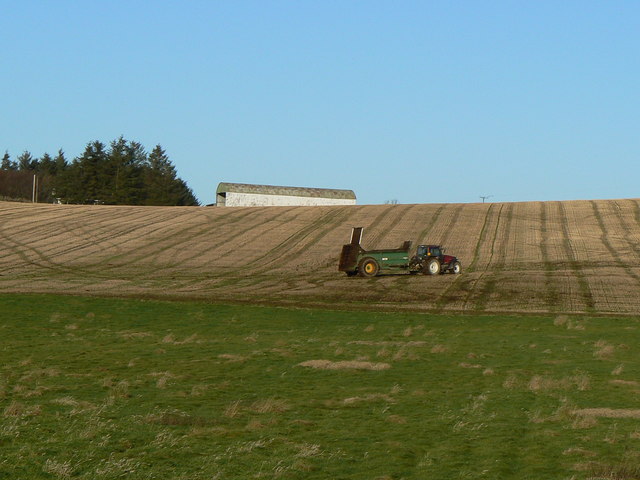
pixel 428 259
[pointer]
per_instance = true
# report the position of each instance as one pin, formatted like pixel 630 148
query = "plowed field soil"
pixel 580 256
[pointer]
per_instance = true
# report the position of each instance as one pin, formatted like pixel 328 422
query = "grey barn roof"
pixel 225 187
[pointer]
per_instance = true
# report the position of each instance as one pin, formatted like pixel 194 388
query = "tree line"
pixel 122 173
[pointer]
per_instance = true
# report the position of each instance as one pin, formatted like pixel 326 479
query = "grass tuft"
pixel 608 412
pixel 230 357
pixel 14 409
pixel 345 365
pixel 372 397
pixel 618 370
pixel 603 350
pixel 176 418
pixel 58 469
pixel 269 405
pixel 233 409
pixel 603 471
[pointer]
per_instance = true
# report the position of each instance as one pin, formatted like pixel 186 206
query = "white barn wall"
pixel 234 199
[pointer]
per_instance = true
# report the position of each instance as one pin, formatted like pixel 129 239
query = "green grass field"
pixel 102 388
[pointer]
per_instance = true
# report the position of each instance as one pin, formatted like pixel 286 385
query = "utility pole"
pixel 34 189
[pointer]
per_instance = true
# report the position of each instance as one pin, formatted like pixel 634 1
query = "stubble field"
pixel 553 257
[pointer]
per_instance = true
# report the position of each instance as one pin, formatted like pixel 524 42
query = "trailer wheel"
pixel 432 267
pixel 351 273
pixel 457 268
pixel 368 267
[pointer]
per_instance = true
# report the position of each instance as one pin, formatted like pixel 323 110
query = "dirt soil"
pixel 564 257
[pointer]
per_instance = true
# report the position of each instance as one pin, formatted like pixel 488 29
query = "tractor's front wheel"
pixel 457 268
pixel 432 267
pixel 368 268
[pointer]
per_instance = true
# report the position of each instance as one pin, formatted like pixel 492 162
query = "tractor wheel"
pixel 432 267
pixel 456 268
pixel 368 268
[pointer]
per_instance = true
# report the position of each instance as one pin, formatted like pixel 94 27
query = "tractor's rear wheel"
pixel 368 267
pixel 432 267
pixel 456 268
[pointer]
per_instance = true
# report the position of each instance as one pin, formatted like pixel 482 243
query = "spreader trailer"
pixel 428 259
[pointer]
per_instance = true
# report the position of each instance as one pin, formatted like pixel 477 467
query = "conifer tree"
pixel 160 179
pixel 83 180
pixel 61 162
pixel 8 164
pixel 46 165
pixel 26 162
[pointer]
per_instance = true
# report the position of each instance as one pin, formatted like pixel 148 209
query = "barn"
pixel 247 195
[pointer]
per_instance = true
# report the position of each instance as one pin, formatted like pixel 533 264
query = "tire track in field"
pixel 401 212
pixel 474 283
pixel 55 268
pixel 454 221
pixel 299 243
pixel 106 271
pixel 459 283
pixel 605 240
pixel 231 279
pixel 19 217
pixel 256 278
pixel 489 286
pixel 9 235
pixel 552 296
pixel 46 257
pixel 246 220
pixel 22 249
pixel 317 271
pixel 379 233
pixel 481 238
pixel 152 250
pixel 98 236
pixel 432 222
pixel 240 240
pixel 13 213
pixel 252 276
pixel 142 231
pixel 627 229
pixel 106 237
pixel 51 229
pixel 574 264
pixel 87 270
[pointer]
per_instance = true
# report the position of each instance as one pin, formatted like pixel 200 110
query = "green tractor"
pixel 428 259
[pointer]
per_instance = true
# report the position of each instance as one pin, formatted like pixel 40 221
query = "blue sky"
pixel 414 101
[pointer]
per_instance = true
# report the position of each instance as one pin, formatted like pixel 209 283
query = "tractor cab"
pixel 430 251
